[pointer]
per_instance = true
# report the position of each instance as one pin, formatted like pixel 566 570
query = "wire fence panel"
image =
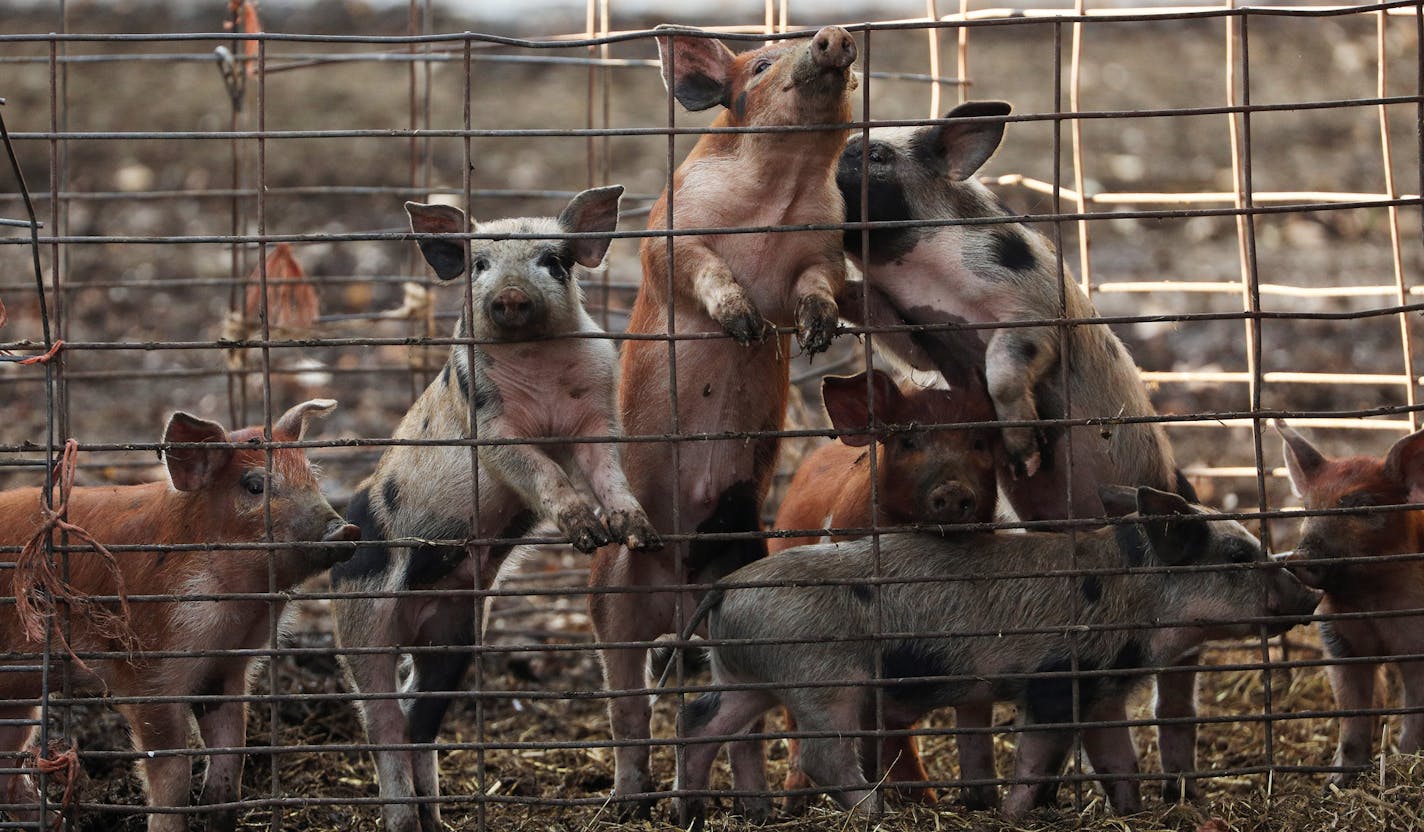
pixel 301 467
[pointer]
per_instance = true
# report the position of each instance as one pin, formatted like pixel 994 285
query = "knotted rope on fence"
pixel 40 589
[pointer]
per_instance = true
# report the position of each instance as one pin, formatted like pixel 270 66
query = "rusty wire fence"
pixel 1235 188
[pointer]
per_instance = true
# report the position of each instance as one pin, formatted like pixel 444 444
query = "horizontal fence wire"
pixel 1226 278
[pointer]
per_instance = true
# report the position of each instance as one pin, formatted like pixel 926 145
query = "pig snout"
pixel 339 530
pixel 1299 564
pixel 951 502
pixel 833 48
pixel 1288 596
pixel 511 308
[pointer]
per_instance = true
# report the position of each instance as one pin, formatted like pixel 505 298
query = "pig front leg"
pixel 544 486
pixel 718 292
pixel 1015 361
pixel 1354 686
pixel 1111 752
pixel 166 778
pixel 865 306
pixel 627 522
pixel 816 311
pixel 223 725
pixel 1177 699
pixel 1038 755
pixel 1411 736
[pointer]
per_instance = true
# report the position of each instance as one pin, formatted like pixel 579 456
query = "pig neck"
pixel 773 162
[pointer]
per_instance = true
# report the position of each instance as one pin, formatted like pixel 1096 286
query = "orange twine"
pixel 63 767
pixel 44 359
pixel 39 589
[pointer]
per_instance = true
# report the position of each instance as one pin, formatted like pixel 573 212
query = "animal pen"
pixel 209 219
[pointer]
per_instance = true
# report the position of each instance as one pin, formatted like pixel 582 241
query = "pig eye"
pixel 909 442
pixel 552 264
pixel 761 66
pixel 254 482
pixel 878 155
pixel 480 264
pixel 1357 500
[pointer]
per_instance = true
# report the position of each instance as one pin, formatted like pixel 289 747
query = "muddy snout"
pixel 951 502
pixel 512 309
pixel 833 48
pixel 1300 565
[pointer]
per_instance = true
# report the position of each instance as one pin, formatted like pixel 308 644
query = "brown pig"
pixel 1363 482
pixel 215 495
pixel 942 476
pixel 736 285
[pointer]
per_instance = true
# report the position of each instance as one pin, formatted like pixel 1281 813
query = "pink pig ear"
pixel 192 468
pixel 593 211
pixel 1303 461
pixel 292 425
pixel 446 257
pixel 1405 463
pixel 847 405
pixel 696 70
pixel 966 146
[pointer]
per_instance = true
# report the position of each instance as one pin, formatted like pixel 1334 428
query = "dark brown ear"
pixel 192 468
pixel 593 211
pixel 1177 533
pixel 1303 461
pixel 446 257
pixel 696 70
pixel 847 404
pixel 1405 463
pixel 967 146
pixel 1118 500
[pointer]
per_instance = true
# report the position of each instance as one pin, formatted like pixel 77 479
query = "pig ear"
pixel 446 257
pixel 1405 463
pixel 1178 535
pixel 593 211
pixel 1302 459
pixel 192 468
pixel 1118 500
pixel 696 70
pixel 965 147
pixel 293 423
pixel 845 398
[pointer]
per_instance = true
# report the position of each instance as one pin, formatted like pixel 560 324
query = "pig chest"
pixel 932 284
pixel 551 388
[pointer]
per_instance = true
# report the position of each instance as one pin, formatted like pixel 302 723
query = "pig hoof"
pixel 634 529
pixel 741 320
pixel 1341 780
pixel 691 813
pixel 1180 789
pixel 752 809
pixel 816 320
pixel 633 810
pixel 979 798
pixel 583 528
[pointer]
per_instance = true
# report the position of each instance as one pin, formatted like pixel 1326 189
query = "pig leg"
pixel 832 762
pixel 539 481
pixel 1110 751
pixel 224 725
pixel 794 804
pixel 748 759
pixel 17 790
pixel 1411 736
pixel 976 755
pixel 452 624
pixel 1354 686
pixel 166 779
pixel 1039 754
pixel 1177 699
pixel 900 760
pixel 816 313
pixel 714 287
pixel 627 523
pixel 852 302
pixel 1014 362
pixel 719 713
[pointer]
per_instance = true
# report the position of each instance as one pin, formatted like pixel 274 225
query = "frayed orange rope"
pixel 39 589
pixel 47 357
pixel 63 767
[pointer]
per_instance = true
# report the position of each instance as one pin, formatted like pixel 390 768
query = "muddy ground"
pixel 140 290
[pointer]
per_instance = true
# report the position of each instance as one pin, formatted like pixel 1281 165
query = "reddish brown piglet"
pixel 1320 560
pixel 941 476
pixel 215 495
pixel 736 286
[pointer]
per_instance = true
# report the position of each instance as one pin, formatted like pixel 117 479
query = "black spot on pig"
pixel 462 374
pixel 1129 656
pixel 1132 543
pixel 1010 250
pixel 885 202
pixel 445 374
pixel 368 561
pixel 390 493
pixel 736 511
pixel 1335 646
pixel 437 672
pixel 518 527
pixel 739 107
pixel 911 659
pixel 1092 589
pixel 700 711
pixel 430 563
pixel 1050 700
pixel 861 593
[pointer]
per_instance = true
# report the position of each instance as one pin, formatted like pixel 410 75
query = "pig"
pixel 811 635
pixel 1363 482
pixel 213 495
pixel 738 287
pixel 942 476
pixel 1001 272
pixel 532 373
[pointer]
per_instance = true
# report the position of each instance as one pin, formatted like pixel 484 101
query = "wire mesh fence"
pixel 211 222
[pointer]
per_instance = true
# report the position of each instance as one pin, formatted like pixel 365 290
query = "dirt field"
pixel 140 291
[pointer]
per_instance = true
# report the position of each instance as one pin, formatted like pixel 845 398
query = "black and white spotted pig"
pixel 807 635
pixel 999 272
pixel 525 382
